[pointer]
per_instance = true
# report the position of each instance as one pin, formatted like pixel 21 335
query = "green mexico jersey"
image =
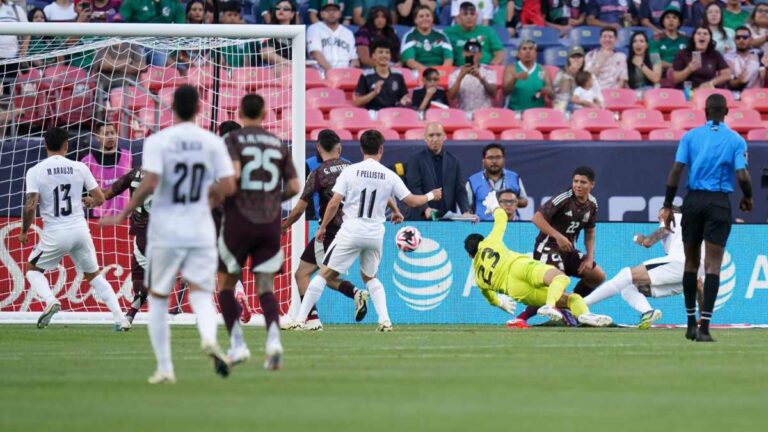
pixel 430 50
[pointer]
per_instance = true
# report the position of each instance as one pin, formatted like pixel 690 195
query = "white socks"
pixel 236 339
pixel 634 298
pixel 273 335
pixel 107 295
pixel 160 332
pixel 202 306
pixel 379 298
pixel 611 287
pixel 41 287
pixel 314 291
pixel 239 288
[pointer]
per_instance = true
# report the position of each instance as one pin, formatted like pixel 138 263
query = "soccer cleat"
pixel 385 327
pixel 595 320
pixel 550 313
pixel 361 304
pixel 312 325
pixel 703 337
pixel 123 326
pixel 48 313
pixel 130 318
pixel 289 324
pixel 648 318
pixel 690 332
pixel 273 356
pixel 221 363
pixel 568 318
pixel 245 309
pixel 239 355
pixel 162 378
pixel 517 323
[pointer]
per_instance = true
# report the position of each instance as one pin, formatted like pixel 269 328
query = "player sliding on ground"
pixel 499 270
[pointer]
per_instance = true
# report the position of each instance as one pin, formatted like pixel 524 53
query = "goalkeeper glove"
pixel 490 202
pixel 507 304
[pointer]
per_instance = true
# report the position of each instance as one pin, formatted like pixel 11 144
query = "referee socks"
pixel 711 287
pixel 689 291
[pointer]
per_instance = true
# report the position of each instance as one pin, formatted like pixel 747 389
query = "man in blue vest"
pixel 493 177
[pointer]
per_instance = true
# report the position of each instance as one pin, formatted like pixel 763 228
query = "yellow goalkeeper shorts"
pixel 525 281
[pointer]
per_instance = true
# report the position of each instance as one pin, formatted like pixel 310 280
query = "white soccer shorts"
pixel 75 242
pixel 666 276
pixel 196 265
pixel 345 249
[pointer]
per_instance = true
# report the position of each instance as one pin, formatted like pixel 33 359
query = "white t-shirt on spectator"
pixel 484 9
pixel 56 12
pixel 337 46
pixel 593 95
pixel 10 13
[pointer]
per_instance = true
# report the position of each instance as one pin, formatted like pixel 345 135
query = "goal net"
pixel 111 86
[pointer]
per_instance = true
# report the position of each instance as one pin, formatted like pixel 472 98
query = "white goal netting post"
pixel 78 76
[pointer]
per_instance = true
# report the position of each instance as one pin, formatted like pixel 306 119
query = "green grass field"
pixel 442 378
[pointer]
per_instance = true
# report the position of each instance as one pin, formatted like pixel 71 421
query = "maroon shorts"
pixel 240 238
pixel 138 257
pixel 312 254
pixel 567 262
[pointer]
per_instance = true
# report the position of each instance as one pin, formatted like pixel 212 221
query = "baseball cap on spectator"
pixel 671 9
pixel 473 46
pixel 230 6
pixel 325 3
pixel 575 50
pixel 467 5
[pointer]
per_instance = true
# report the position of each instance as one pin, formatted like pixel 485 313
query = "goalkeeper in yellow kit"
pixel 499 270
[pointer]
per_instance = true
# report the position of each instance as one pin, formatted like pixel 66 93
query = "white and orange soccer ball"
pixel 408 239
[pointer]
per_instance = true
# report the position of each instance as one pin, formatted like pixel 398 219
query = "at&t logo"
pixel 727 280
pixel 423 278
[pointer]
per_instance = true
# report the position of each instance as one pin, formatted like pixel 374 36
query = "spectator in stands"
pixel 153 11
pixel 744 62
pixel 316 5
pixel 723 37
pixel 108 163
pixel 563 15
pixel 758 25
pixel 432 168
pixel 608 66
pixel 466 28
pixel 733 15
pixel 493 177
pixel 241 54
pixel 328 42
pixel 430 92
pixel 40 44
pixel 407 10
pixel 99 10
pixel 696 12
pixel 118 65
pixel 60 10
pixel 651 14
pixel 643 67
pixel 611 13
pixel 381 87
pixel 378 26
pixel 587 93
pixel 362 9
pixel 701 63
pixel 196 12
pixel 671 41
pixel 526 83
pixel 424 46
pixel 484 9
pixel 9 44
pixel 509 202
pixel 565 80
pixel 473 85
pixel 278 51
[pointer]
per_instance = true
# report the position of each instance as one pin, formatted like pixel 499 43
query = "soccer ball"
pixel 408 239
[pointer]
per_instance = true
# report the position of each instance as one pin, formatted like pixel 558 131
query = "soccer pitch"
pixel 349 378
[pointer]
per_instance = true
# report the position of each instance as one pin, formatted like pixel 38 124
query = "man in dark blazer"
pixel 432 168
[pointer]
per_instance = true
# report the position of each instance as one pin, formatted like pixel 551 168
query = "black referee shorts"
pixel 706 216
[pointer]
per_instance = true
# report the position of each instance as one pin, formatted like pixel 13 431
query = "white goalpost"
pixel 81 76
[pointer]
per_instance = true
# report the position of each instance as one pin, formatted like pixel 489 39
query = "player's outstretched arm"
pixel 500 220
pixel 30 206
pixel 420 200
pixel 145 189
pixel 745 183
pixel 652 238
pixel 295 214
pixel 97 196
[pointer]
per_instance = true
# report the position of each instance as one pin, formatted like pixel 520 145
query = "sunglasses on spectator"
pixel 468 12
pixel 284 8
pixel 762 10
pixel 508 202
pixel 742 37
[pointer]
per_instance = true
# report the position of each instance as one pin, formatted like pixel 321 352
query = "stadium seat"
pixel 521 135
pixel 313 78
pixel 643 120
pixel 665 100
pixel 155 78
pixel 32 108
pixel 666 135
pixel 587 37
pixel 503 34
pixel 152 119
pixel 620 135
pixel 344 134
pixel 62 76
pixel 165 96
pixel 131 98
pixel 444 72
pixel 756 99
pixel 593 119
pixel 414 134
pixel 757 135
pixel 401 30
pixel 389 134
pixel 625 35
pixel 473 134
pixel 28 82
pixel 276 98
pixel 743 120
pixel 552 71
pixel 326 98
pixel 343 78
pixel 687 118
pixel 313 119
pixel 228 97
pixel 545 37
pixel 411 80
pixel 496 119
pixel 201 76
pixel 253 78
pixel 570 135
pixel 554 56
pixel 452 119
pixel 700 97
pixel 544 119
pixel 352 119
pixel 400 119
pixel 74 108
pixel 619 99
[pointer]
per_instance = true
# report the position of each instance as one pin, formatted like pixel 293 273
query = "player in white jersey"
pixel 658 277
pixel 185 169
pixel 366 188
pixel 56 185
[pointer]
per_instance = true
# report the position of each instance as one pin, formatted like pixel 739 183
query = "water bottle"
pixel 688 90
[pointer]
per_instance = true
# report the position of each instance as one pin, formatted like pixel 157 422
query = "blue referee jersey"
pixel 713 154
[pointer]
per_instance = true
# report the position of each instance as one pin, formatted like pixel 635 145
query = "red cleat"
pixel 517 323
pixel 245 309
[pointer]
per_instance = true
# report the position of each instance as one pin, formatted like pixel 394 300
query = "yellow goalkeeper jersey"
pixel 493 260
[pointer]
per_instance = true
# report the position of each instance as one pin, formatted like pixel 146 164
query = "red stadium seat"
pixel 756 99
pixel 62 76
pixel 156 78
pixel 758 135
pixel 473 134
pixel 643 120
pixel 201 76
pixel 496 119
pixel 352 119
pixel 326 98
pixel 551 70
pixel 743 120
pixel 313 78
pixel 665 100
pixel 313 119
pixel 444 72
pixel 389 134
pixel 74 108
pixel 253 78
pixel 32 108
pixel 544 119
pixel 452 119
pixel 570 135
pixel 700 97
pixel 342 133
pixel 620 135
pixel 131 98
pixel 619 99
pixel 593 119
pixel 28 82
pixel 165 96
pixel 343 78
pixel 400 119
pixel 411 81
pixel 666 135
pixel 229 98
pixel 687 118
pixel 521 135
pixel 153 119
pixel 414 134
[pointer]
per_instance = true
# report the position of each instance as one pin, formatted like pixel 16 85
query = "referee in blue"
pixel 712 153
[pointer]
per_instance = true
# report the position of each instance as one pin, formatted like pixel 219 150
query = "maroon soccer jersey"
pixel 321 181
pixel 264 165
pixel 140 216
pixel 568 216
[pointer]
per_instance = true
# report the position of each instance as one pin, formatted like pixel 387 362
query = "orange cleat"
pixel 517 323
